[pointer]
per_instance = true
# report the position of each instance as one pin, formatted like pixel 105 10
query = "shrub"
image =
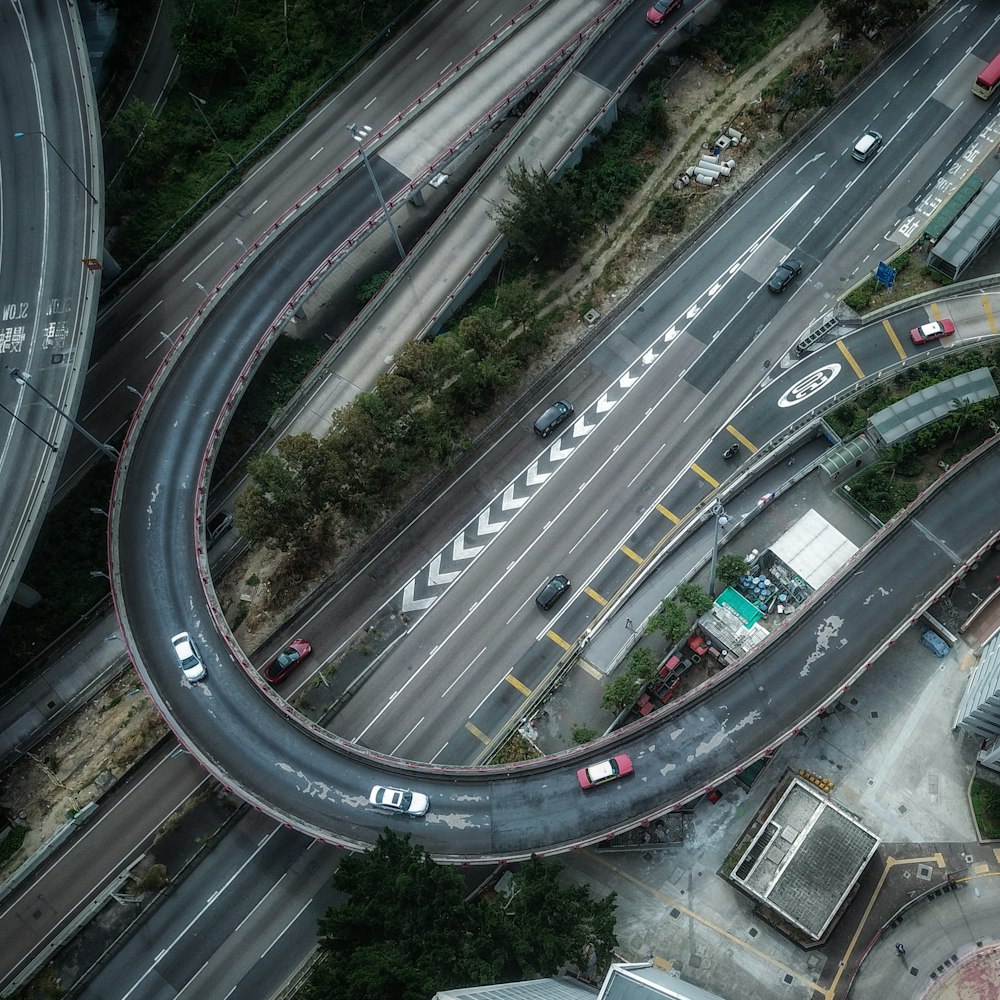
pixel 583 734
pixel 669 211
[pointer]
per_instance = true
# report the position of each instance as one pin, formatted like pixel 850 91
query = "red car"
pixel 932 331
pixel 606 770
pixel 657 14
pixel 286 661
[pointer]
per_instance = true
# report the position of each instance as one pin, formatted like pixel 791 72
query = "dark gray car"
pixel 552 591
pixel 783 275
pixel 553 418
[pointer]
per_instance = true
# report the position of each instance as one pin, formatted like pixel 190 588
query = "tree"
pixel 671 622
pixel 693 597
pixel 854 16
pixel 548 924
pixel 406 930
pixel 289 488
pixel 542 219
pixel 619 692
pixel 730 568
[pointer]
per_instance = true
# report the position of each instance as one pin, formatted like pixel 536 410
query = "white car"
pixel 188 657
pixel 399 800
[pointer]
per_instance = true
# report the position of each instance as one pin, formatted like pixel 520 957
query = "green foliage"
pixel 671 622
pixel 847 419
pixel 860 298
pixel 515 749
pixel 542 219
pixel 623 688
pixel 11 844
pixel 252 63
pixel 693 597
pixel 746 32
pixel 854 16
pixel 406 929
pixel 368 288
pixel 583 734
pixel 669 211
pixel 986 804
pixel 730 568
pixel 883 496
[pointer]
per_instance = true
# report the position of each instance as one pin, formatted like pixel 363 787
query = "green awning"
pixel 747 613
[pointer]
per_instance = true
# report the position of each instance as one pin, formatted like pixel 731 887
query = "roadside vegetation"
pixel 985 797
pixel 407 930
pixel 244 68
pixel 905 469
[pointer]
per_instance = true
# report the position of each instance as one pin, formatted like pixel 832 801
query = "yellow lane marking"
pixel 592 670
pixel 558 640
pixel 849 359
pixel 590 592
pixel 890 863
pixel 936 311
pixel 988 309
pixel 721 931
pixel 669 515
pixel 478 733
pixel 515 683
pixel 711 480
pixel 746 442
pixel 895 340
pixel 632 555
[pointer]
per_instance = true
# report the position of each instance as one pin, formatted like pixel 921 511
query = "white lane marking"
pixel 259 207
pixel 202 261
pixel 595 524
pixel 318 151
pixel 395 749
pixel 201 912
pixel 140 320
pixel 463 673
pixel 652 458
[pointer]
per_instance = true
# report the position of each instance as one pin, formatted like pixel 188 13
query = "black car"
pixel 553 418
pixel 552 591
pixel 783 275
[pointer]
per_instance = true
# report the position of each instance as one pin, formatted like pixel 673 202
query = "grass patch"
pixel 11 844
pixel 986 805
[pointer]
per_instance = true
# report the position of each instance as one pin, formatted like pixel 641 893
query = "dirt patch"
pixel 79 762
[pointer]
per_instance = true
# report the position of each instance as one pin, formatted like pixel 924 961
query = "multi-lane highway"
pixel 51 224
pixel 319 783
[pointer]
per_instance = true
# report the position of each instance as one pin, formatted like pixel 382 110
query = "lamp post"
pixel 199 103
pixel 100 572
pixel 29 427
pixel 721 520
pixel 19 135
pixel 358 135
pixel 23 378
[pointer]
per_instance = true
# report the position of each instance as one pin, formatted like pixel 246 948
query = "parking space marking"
pixel 746 442
pixel 559 640
pixel 478 733
pixel 895 340
pixel 988 309
pixel 515 683
pixel 849 358
pixel 668 514
pixel 592 670
pixel 710 479
pixel 590 592
pixel 632 555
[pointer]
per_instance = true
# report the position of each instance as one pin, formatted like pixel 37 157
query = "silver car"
pixel 188 657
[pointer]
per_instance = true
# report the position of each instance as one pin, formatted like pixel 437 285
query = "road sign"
pixel 884 274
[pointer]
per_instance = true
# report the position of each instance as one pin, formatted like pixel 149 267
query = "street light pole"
pixel 23 378
pixel 19 135
pixel 721 520
pixel 28 427
pixel 199 103
pixel 358 136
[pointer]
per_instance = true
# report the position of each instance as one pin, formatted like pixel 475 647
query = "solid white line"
pixel 140 320
pixel 202 261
